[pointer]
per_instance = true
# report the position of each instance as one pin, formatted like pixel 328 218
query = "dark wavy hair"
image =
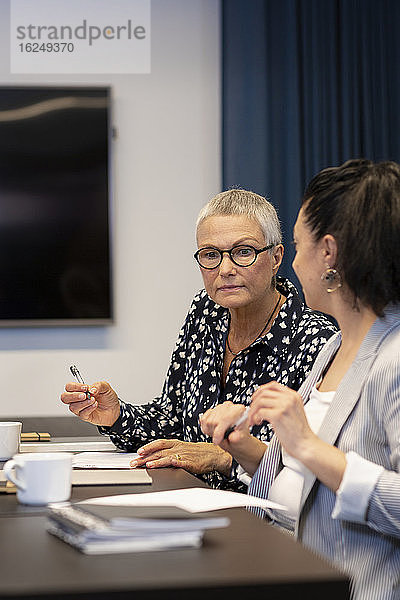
pixel 359 204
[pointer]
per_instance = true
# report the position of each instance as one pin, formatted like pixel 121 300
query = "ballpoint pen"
pixel 75 372
pixel 237 423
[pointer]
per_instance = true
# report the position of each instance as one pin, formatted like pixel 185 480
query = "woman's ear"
pixel 329 249
pixel 277 258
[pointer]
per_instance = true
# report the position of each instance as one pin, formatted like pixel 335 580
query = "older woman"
pixel 246 328
pixel 335 463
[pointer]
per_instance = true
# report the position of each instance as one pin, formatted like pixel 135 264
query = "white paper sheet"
pixel 103 460
pixel 191 499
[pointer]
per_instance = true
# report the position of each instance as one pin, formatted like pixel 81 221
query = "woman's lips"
pixel 230 288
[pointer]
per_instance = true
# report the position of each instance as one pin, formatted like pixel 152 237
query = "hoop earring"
pixel 331 279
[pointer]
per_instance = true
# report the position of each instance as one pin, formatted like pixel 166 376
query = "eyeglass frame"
pixel 229 252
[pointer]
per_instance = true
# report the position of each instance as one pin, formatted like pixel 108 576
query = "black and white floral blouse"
pixel 193 382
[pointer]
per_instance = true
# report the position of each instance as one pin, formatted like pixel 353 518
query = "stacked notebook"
pixel 97 529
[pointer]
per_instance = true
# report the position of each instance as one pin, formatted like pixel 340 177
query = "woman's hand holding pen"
pixel 272 402
pixel 102 408
pixel 283 408
pixel 244 447
pixel 216 421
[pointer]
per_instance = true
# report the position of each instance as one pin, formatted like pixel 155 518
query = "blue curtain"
pixel 306 84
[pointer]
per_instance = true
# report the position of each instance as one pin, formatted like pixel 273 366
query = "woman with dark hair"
pixel 334 460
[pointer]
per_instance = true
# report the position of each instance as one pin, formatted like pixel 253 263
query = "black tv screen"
pixel 55 266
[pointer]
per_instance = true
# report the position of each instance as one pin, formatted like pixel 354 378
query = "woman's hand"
pixel 215 421
pixel 194 457
pixel 102 408
pixel 244 447
pixel 283 408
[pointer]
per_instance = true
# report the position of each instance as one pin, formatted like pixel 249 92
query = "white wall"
pixel 166 166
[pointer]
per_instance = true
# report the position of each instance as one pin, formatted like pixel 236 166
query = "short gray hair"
pixel 249 204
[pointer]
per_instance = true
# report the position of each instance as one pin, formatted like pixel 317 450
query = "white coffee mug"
pixel 10 435
pixel 40 477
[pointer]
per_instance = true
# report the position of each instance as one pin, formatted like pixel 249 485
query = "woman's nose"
pixel 227 265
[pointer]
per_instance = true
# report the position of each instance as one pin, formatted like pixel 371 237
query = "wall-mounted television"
pixel 55 249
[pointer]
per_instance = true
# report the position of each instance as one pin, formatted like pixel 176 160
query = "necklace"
pixel 262 330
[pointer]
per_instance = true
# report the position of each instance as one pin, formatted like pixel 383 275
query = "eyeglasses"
pixel 242 256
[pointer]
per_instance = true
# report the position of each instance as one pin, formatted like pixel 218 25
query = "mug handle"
pixel 7 470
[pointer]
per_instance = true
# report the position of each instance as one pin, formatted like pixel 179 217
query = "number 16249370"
pixel 46 47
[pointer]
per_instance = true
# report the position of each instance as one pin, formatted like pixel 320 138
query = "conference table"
pixel 247 557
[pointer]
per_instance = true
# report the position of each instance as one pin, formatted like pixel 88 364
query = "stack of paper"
pixel 106 529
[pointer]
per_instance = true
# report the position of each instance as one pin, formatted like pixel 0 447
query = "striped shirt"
pixel 358 527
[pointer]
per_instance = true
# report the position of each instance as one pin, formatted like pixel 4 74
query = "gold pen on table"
pixel 75 372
